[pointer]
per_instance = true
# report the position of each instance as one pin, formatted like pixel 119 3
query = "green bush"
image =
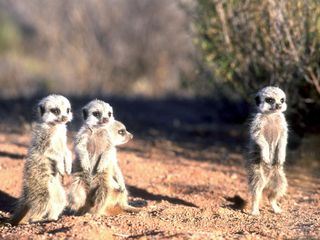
pixel 10 36
pixel 253 43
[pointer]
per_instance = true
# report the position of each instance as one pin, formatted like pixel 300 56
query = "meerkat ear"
pixel 85 113
pixel 41 110
pixel 257 98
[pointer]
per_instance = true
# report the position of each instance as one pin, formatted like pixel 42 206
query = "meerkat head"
pixel 118 133
pixel 97 113
pixel 271 99
pixel 55 109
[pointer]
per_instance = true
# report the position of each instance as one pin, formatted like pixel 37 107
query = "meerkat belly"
pixel 272 132
pixel 58 140
pixel 97 145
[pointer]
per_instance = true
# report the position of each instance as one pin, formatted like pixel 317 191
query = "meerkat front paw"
pixel 115 185
pixel 68 162
pixel 60 167
pixel 123 188
pixel 101 168
pixel 265 155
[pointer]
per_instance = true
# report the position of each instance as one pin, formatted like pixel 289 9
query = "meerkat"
pixel 43 196
pixel 89 147
pixel 108 194
pixel 267 154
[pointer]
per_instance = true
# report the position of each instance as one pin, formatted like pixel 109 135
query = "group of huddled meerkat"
pixel 98 185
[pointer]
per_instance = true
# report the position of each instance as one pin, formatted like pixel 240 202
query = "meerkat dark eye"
pixel 68 110
pixel 55 111
pixel 282 100
pixel 270 100
pixel 122 132
pixel 97 114
pixel 109 114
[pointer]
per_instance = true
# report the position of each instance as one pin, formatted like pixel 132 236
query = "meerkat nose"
pixel 278 106
pixel 64 118
pixel 105 120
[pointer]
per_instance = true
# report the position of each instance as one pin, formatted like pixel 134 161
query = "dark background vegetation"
pixel 204 58
pixel 249 44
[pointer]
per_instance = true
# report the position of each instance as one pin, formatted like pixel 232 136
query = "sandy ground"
pixel 192 191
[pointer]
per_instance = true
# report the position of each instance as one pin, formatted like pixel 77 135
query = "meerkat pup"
pixel 108 194
pixel 90 145
pixel 43 196
pixel 268 141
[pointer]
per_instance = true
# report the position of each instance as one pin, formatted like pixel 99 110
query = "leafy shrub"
pixel 253 43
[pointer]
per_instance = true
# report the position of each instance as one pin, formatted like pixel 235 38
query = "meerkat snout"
pixel 278 106
pixel 64 118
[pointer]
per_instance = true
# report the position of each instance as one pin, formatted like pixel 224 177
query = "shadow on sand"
pixel 144 194
pixel 12 155
pixel 7 202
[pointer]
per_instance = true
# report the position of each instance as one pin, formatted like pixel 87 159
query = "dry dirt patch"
pixel 190 193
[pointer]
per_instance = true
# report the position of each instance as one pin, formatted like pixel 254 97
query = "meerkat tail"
pixel 128 208
pixel 19 214
pixel 76 197
pixel 98 196
pixel 78 192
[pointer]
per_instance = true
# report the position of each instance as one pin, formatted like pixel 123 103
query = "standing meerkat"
pixel 268 141
pixel 108 194
pixel 89 146
pixel 43 196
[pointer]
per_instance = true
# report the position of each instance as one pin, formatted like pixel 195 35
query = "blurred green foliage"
pixel 10 35
pixel 249 44
pixel 90 47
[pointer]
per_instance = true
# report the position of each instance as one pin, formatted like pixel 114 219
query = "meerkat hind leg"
pixel 97 199
pixel 110 206
pixel 38 211
pixel 28 212
pixel 257 183
pixel 256 198
pixel 57 200
pixel 277 188
pixel 35 211
pixel 20 216
pixel 116 203
pixel 124 204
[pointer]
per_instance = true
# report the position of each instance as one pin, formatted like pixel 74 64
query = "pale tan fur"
pixel 43 196
pixel 90 145
pixel 108 194
pixel 268 141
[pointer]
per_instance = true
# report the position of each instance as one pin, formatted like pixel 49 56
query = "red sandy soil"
pixel 191 193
